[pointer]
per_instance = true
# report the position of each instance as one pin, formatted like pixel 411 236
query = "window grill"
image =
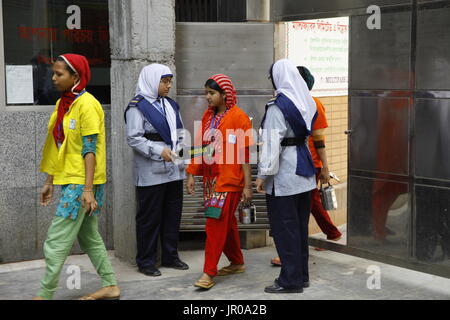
pixel 210 10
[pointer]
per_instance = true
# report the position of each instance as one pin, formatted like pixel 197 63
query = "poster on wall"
pixel 19 84
pixel 322 46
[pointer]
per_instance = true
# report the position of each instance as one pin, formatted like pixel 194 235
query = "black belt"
pixel 289 142
pixel 153 137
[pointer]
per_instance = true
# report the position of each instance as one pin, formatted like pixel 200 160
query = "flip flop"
pixel 204 284
pixel 96 296
pixel 225 271
pixel 276 262
pixel 335 239
pixel 91 297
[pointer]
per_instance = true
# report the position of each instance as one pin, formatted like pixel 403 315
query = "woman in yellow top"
pixel 74 156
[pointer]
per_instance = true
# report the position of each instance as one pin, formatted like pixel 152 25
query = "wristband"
pixel 319 144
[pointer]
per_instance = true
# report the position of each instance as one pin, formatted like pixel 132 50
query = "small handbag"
pixel 214 205
pixel 328 197
pixel 212 212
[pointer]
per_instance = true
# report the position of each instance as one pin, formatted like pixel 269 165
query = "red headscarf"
pixel 225 84
pixel 80 65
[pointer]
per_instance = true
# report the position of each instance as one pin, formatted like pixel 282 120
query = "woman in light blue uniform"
pixel 154 132
pixel 286 173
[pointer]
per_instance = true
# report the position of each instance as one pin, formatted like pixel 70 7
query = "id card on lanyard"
pixel 215 122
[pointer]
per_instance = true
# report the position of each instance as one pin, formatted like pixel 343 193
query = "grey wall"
pixel 205 49
pixel 23 222
pixel 136 41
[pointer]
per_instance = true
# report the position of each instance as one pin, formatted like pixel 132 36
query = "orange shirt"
pixel 230 176
pixel 320 123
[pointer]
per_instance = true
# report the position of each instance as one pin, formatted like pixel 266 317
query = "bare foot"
pixel 110 292
pixel 38 298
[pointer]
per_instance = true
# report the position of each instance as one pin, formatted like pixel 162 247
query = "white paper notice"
pixel 19 84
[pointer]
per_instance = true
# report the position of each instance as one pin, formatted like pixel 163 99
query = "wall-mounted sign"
pixel 322 46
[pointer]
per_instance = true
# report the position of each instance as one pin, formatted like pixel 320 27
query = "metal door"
pixel 399 137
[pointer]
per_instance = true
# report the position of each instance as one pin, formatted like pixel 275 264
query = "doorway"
pixel 322 45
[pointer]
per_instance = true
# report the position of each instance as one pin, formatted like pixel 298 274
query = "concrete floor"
pixel 333 276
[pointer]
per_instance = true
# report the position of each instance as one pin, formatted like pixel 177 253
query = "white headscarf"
pixel 287 80
pixel 149 79
pixel 148 87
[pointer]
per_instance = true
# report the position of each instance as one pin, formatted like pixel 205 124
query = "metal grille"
pixel 211 10
pixel 196 10
pixel 193 218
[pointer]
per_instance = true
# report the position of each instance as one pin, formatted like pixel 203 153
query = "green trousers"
pixel 60 238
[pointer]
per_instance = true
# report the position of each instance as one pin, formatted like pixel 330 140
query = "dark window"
pixel 196 10
pixel 37 32
pixel 210 10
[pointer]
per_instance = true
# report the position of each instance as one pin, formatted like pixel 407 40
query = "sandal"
pixel 225 271
pixel 91 297
pixel 276 262
pixel 97 296
pixel 335 239
pixel 204 284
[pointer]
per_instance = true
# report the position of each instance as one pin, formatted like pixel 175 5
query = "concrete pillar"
pixel 280 39
pixel 142 32
pixel 258 10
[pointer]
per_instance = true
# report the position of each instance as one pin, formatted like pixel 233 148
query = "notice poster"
pixel 322 46
pixel 19 85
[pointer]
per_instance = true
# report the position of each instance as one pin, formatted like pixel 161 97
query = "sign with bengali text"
pixel 322 46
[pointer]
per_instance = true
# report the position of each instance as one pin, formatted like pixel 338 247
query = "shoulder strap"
pixel 133 103
pixel 270 103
